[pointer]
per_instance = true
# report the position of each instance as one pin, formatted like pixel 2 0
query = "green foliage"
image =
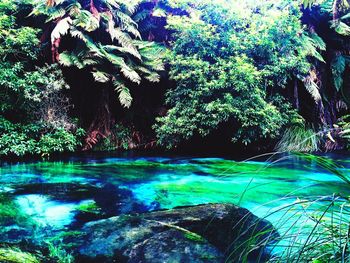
pixel 107 42
pixel 36 139
pixel 299 139
pixel 60 141
pixel 90 207
pixel 33 110
pixel 232 63
pixel 336 13
pixel 18 48
pixel 123 136
pixel 229 62
pixel 322 234
pixel 15 255
pixel 59 254
pixel 119 139
pixel 10 213
pixel 338 68
pixel 344 127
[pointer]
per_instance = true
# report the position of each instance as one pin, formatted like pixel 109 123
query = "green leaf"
pixel 100 76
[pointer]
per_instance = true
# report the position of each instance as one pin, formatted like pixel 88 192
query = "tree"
pixel 29 95
pixel 330 20
pixel 232 63
pixel 104 39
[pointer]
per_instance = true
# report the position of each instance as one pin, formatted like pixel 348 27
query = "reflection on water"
pixel 58 194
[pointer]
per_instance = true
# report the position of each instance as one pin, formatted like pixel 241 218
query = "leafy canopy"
pixel 230 61
pixel 106 41
pixel 26 92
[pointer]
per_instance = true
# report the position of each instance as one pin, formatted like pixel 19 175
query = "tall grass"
pixel 315 230
pixel 299 139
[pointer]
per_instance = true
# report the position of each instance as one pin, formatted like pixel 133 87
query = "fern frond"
pixel 87 21
pixel 55 14
pixel 125 98
pixel 318 41
pixel 66 59
pixel 340 27
pixel 153 77
pixel 130 74
pixel 141 15
pixel 310 45
pixel 338 67
pixel 74 9
pixel 126 23
pixel 114 59
pixel 71 59
pixel 123 39
pixel 112 3
pixel 100 76
pixel 312 88
pixel 61 29
pixel 130 5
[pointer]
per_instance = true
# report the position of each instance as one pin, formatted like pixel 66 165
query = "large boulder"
pixel 174 246
pixel 204 233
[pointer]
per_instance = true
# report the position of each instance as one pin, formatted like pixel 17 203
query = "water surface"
pixel 60 195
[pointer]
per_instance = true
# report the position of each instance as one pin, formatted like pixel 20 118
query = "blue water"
pixel 56 195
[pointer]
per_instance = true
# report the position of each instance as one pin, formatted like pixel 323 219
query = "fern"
pixel 318 41
pixel 87 21
pixel 124 94
pixel 127 24
pixel 125 57
pixel 61 29
pixel 57 13
pixel 312 87
pixel 131 74
pixel 66 59
pixel 338 67
pixel 312 44
pixel 100 76
pixel 340 27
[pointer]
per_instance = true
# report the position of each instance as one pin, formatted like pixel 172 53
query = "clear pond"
pixel 58 196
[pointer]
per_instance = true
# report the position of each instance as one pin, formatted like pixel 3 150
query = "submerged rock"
pixel 14 234
pixel 67 192
pixel 204 233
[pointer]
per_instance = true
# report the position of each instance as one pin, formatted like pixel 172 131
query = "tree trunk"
pixel 103 121
pixel 296 95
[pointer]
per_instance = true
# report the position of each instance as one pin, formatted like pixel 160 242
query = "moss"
pixel 90 207
pixel 194 237
pixel 64 235
pixel 59 254
pixel 208 257
pixel 10 213
pixel 15 255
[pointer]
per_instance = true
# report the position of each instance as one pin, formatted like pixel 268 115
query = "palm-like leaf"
pixel 338 67
pixel 125 59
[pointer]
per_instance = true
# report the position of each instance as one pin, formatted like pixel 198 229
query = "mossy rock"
pixel 204 233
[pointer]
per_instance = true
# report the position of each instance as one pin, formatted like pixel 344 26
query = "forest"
pixel 174 131
pixel 118 75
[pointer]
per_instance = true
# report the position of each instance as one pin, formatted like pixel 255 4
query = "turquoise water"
pixel 59 195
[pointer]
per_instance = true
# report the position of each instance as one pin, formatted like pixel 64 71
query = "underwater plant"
pixel 59 254
pixel 15 255
pixel 313 230
pixel 10 213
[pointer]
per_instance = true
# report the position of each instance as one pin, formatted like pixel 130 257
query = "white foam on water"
pixel 47 212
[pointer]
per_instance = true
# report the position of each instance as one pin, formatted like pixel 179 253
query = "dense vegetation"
pixel 113 74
